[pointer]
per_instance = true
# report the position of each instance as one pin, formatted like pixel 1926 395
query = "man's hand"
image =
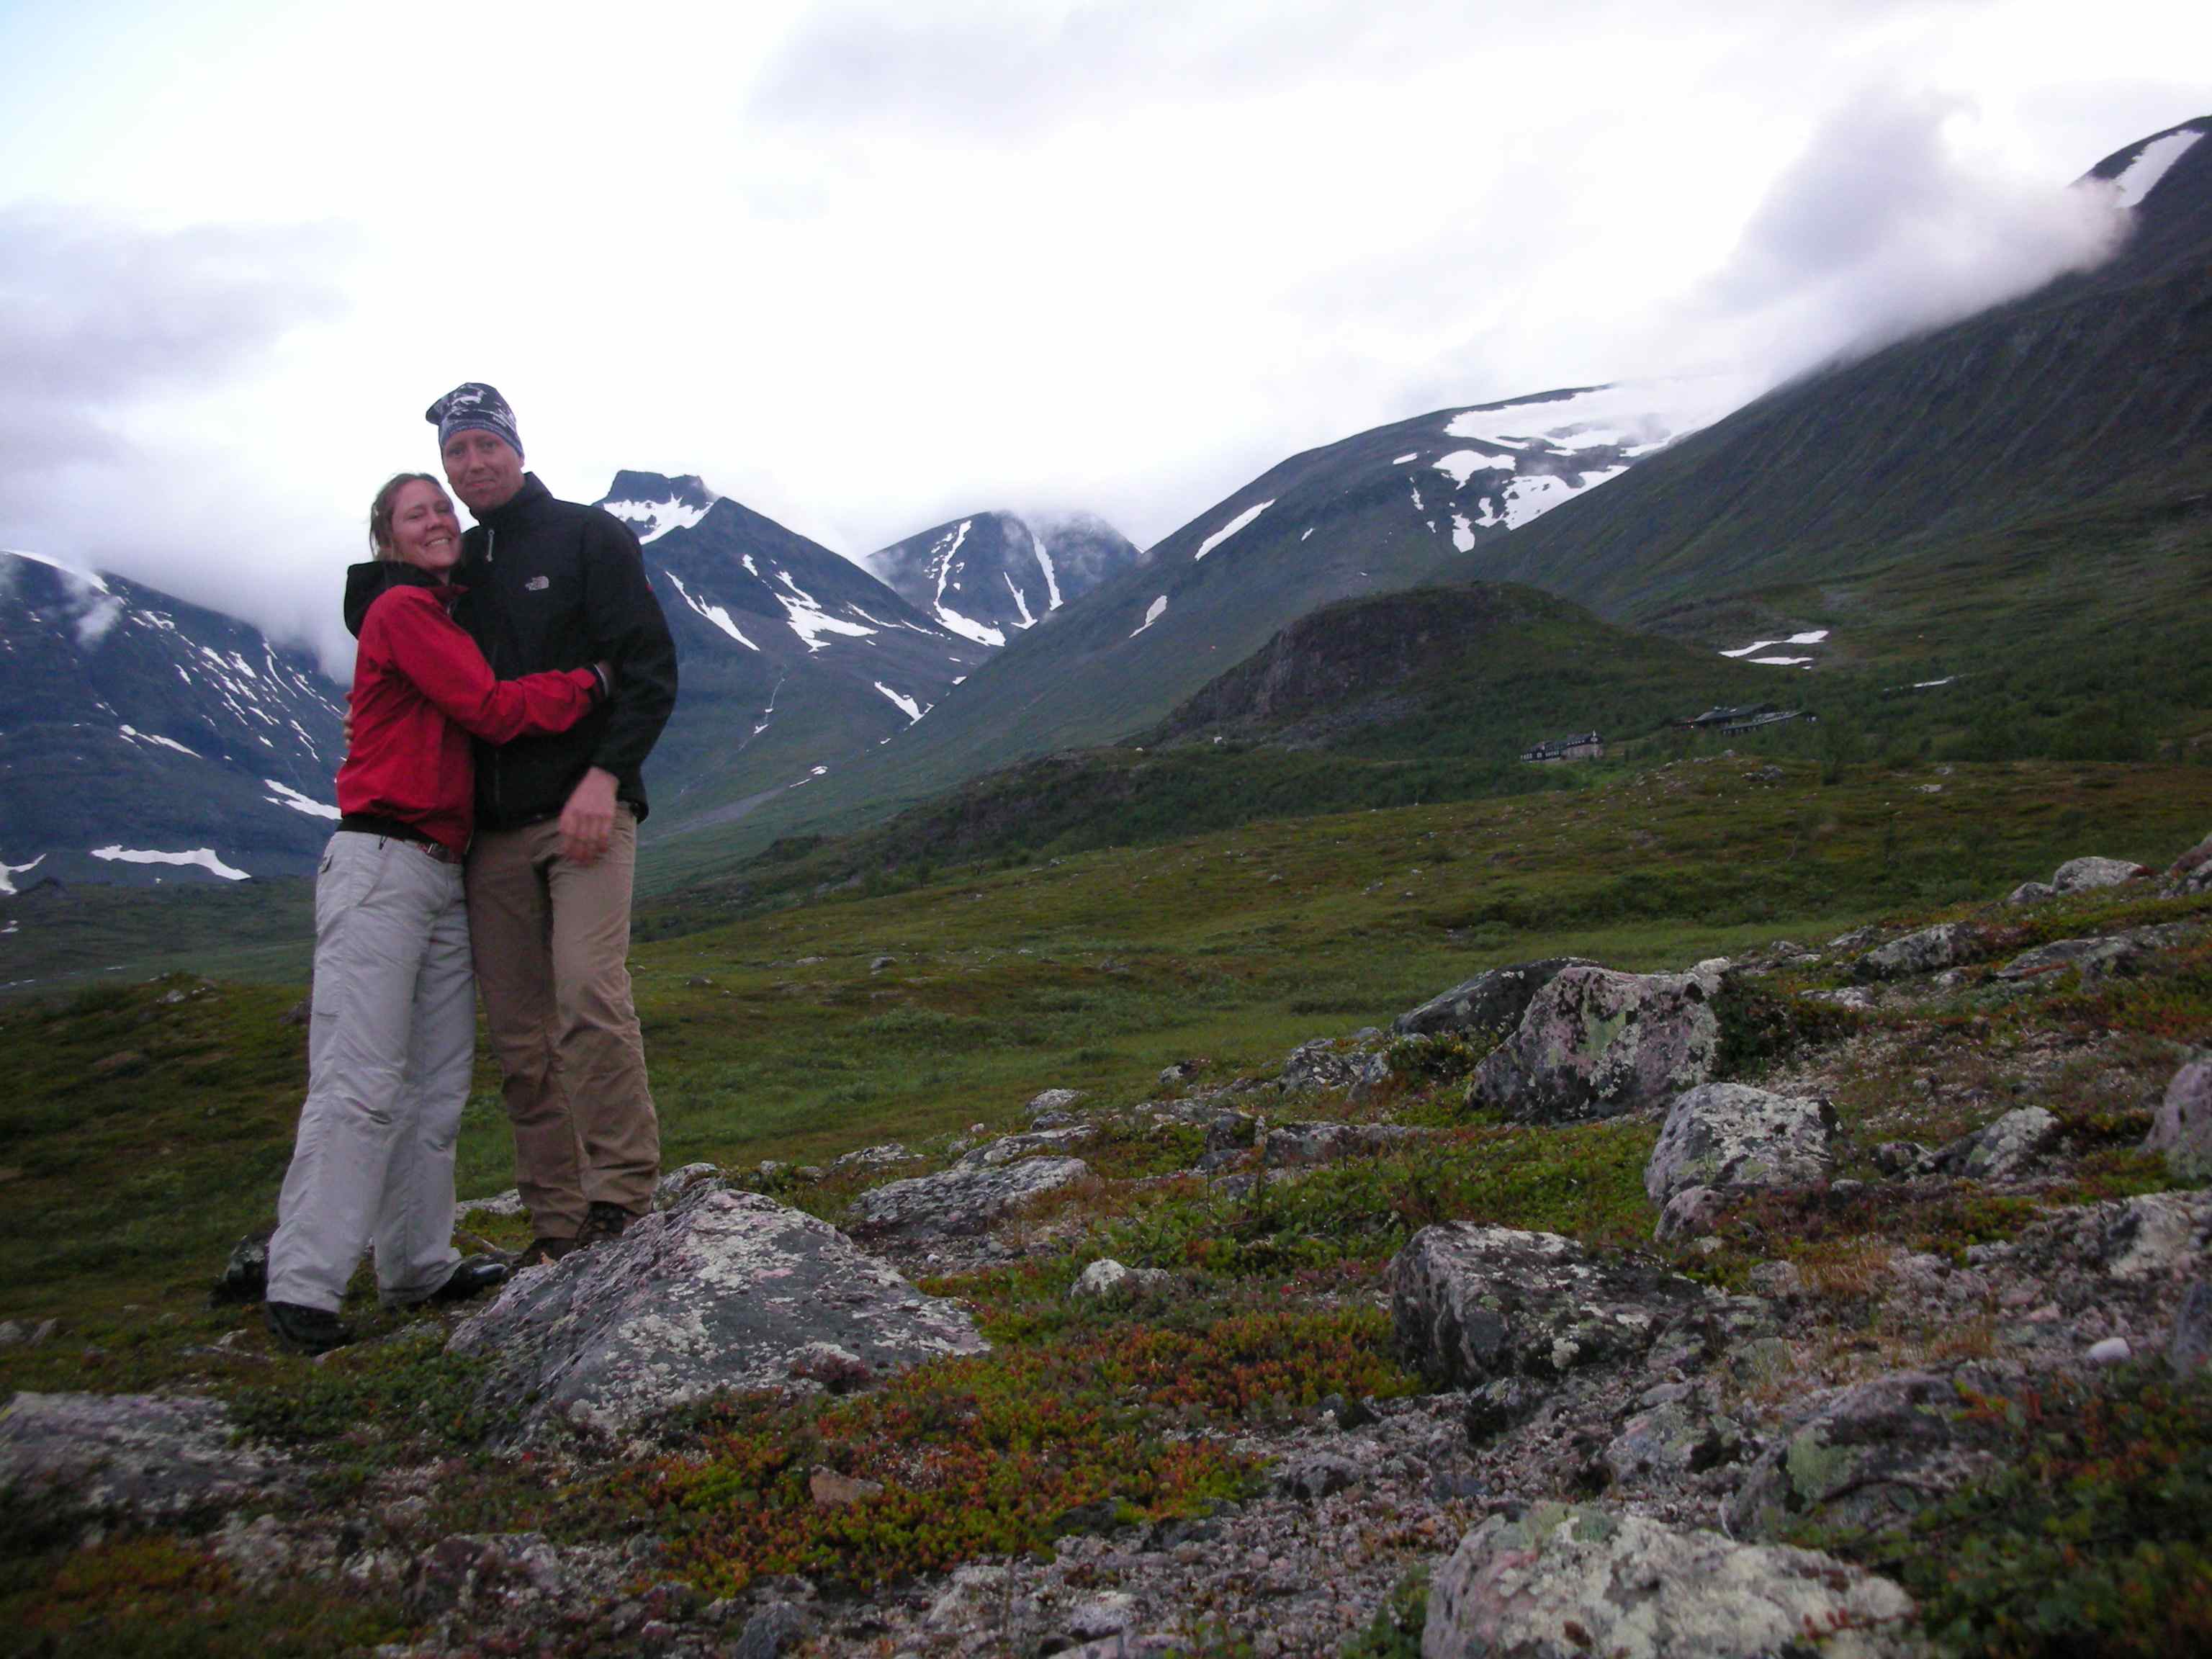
pixel 588 819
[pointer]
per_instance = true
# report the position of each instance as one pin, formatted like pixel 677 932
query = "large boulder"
pixel 1491 1003
pixel 1565 1583
pixel 1596 1043
pixel 2183 1128
pixel 1732 1135
pixel 1868 1457
pixel 727 1291
pixel 1930 950
pixel 70 1457
pixel 2080 875
pixel 1470 1305
pixel 969 1198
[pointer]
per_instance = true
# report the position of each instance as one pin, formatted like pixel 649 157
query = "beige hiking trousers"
pixel 551 939
pixel 392 1036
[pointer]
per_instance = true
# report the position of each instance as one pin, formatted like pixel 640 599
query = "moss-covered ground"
pixel 146 1126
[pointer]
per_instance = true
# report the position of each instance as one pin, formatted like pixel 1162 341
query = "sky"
pixel 868 267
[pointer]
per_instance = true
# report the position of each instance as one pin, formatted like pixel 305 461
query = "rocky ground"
pixel 1844 1243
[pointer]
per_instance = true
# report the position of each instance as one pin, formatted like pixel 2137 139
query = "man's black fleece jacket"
pixel 552 584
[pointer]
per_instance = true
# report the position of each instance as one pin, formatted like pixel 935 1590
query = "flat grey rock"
pixel 728 1291
pixel 148 1458
pixel 1470 1303
pixel 2081 875
pixel 959 1202
pixel 1930 950
pixel 1566 1582
pixel 2003 1150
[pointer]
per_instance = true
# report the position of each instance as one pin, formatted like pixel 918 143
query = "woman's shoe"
pixel 472 1277
pixel 306 1330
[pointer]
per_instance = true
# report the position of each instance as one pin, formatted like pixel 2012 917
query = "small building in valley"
pixel 1582 746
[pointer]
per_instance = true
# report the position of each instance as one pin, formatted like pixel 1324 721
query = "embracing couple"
pixel 508 686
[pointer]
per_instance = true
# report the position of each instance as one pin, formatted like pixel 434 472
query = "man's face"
pixel 483 470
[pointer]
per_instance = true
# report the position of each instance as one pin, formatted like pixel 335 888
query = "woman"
pixel 392 1035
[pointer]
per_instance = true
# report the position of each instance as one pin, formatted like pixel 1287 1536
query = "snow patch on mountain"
pixel 809 620
pixel 9 872
pixel 1157 609
pixel 132 734
pixel 1810 636
pixel 716 614
pixel 654 514
pixel 907 706
pixel 1229 529
pixel 284 795
pixel 203 857
pixel 2141 176
pixel 1044 563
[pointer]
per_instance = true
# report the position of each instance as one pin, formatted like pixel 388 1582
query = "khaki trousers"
pixel 551 940
pixel 391 1036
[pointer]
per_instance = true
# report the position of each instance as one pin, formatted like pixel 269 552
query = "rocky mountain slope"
pixel 991 575
pixel 793 662
pixel 1373 513
pixel 1840 1298
pixel 2093 383
pixel 145 739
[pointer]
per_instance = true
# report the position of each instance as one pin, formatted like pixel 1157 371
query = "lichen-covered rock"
pixel 2095 958
pixel 1322 1063
pixel 1692 1213
pixel 1055 1104
pixel 961 1201
pixel 2090 1252
pixel 1469 1303
pixel 1565 1583
pixel 245 1276
pixel 2004 1150
pixel 69 1457
pixel 1304 1144
pixel 2031 892
pixel 2080 875
pixel 1871 1456
pixel 1594 1044
pixel 729 1290
pixel 1732 1135
pixel 2192 872
pixel 1675 1436
pixel 1931 949
pixel 1489 1002
pixel 1006 1149
pixel 2183 1128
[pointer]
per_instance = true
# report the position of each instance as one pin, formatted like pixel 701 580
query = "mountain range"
pixel 994 575
pixel 1974 511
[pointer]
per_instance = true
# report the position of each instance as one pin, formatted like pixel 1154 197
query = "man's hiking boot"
pixel 542 1251
pixel 472 1276
pixel 602 1222
pixel 306 1330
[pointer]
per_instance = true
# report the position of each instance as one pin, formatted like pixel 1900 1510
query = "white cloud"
pixel 869 268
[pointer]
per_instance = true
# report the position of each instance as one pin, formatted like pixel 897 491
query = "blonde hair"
pixel 380 510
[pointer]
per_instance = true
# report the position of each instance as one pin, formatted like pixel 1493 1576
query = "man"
pixel 553 584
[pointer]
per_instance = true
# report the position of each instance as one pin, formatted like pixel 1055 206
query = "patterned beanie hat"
pixel 472 406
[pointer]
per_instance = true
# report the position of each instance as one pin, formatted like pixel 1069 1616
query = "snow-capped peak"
pixel 653 504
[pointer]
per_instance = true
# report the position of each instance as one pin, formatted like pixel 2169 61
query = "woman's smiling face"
pixel 426 531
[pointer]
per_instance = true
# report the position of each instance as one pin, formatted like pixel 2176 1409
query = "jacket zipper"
pixel 498 795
